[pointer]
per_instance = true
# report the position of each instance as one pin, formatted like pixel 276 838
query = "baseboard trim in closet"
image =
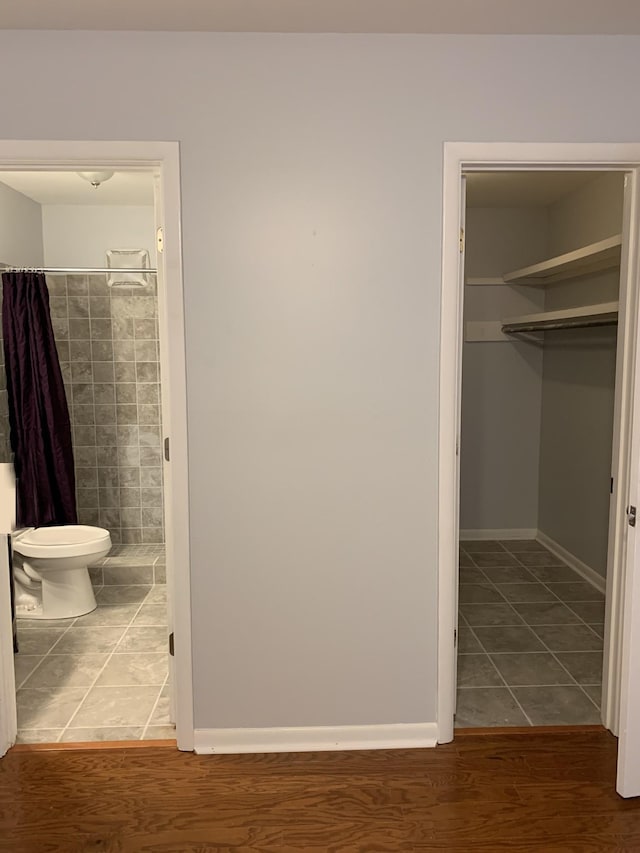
pixel 585 571
pixel 512 533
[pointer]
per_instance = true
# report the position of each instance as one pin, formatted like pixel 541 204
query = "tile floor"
pixel 530 638
pixel 102 676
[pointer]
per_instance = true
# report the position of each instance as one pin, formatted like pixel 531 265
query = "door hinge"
pixel 631 515
pixel 166 448
pixel 455 637
pixel 461 240
pixel 171 645
pixel 160 240
pixel 611 489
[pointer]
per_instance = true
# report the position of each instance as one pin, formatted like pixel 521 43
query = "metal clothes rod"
pixel 79 270
pixel 541 326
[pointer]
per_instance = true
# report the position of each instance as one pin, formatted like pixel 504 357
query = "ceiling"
pixel 338 16
pixel 522 189
pixel 124 188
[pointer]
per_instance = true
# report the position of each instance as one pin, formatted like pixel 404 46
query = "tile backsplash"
pixel 107 340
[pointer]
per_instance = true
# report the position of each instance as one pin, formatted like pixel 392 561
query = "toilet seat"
pixel 68 540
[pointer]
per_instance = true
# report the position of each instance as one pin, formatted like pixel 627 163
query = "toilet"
pixel 50 569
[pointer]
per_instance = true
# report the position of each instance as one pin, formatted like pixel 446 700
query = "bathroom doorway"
pixel 109 675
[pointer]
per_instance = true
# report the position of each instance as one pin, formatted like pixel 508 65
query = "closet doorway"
pixel 620 710
pixel 539 379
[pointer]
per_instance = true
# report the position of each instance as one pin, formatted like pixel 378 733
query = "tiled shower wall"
pixel 107 340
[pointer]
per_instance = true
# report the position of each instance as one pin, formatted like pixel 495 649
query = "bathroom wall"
pixel 79 235
pixel 107 341
pixel 20 243
pixel 20 228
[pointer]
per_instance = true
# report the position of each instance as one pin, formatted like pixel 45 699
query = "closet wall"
pixel 578 384
pixel 501 394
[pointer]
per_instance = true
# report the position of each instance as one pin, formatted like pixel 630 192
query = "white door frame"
pixel 459 157
pixel 163 158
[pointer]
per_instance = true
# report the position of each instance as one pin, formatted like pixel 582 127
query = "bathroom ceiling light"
pixel 95 178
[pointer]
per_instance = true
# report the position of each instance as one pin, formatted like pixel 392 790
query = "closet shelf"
pixel 603 314
pixel 603 255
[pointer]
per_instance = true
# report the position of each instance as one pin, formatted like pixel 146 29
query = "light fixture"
pixel 95 178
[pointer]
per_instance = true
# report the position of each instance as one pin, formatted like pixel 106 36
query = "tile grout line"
pixel 155 705
pixel 502 678
pixel 46 654
pixel 93 683
pixel 574 680
pixel 52 651
pixel 535 580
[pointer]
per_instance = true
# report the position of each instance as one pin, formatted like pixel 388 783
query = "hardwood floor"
pixel 536 791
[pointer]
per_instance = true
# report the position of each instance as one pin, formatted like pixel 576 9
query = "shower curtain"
pixel 38 413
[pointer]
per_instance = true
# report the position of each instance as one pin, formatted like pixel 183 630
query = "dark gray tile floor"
pixel 530 638
pixel 102 676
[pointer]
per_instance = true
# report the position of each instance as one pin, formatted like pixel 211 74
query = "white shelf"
pixel 604 313
pixel 603 255
pixel 483 281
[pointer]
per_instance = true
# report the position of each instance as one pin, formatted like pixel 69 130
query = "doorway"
pixel 136 548
pixel 621 692
pixel 542 273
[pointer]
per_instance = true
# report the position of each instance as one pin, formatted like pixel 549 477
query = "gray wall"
pixel 20 229
pixel 311 231
pixel 107 340
pixel 20 243
pixel 578 385
pixel 501 382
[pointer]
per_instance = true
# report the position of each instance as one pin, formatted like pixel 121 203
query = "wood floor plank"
pixel 508 791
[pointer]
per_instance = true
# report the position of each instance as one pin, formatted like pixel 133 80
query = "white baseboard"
pixel 316 738
pixel 512 533
pixel 585 571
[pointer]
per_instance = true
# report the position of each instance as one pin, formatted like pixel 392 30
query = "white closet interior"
pixel 542 268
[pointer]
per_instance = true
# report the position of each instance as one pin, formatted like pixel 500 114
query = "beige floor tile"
pixel 67 671
pixel 134 669
pixel 89 640
pixel 24 666
pixel 151 613
pixel 38 735
pixel 116 706
pixel 119 575
pixel 39 624
pixel 38 641
pixel 160 716
pixel 47 707
pixel 109 615
pixel 144 639
pixel 158 594
pixel 160 733
pixel 122 594
pixel 113 733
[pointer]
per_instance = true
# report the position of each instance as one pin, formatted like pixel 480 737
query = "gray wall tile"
pixel 107 343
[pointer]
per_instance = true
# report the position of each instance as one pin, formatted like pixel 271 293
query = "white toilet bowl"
pixel 50 572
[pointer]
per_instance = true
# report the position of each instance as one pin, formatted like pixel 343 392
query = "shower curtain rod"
pixel 79 270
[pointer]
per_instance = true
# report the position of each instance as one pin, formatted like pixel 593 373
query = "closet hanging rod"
pixel 542 326
pixel 79 270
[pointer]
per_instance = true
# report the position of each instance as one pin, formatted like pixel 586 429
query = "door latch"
pixel 631 515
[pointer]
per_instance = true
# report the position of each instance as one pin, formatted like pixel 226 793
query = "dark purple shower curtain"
pixel 38 411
